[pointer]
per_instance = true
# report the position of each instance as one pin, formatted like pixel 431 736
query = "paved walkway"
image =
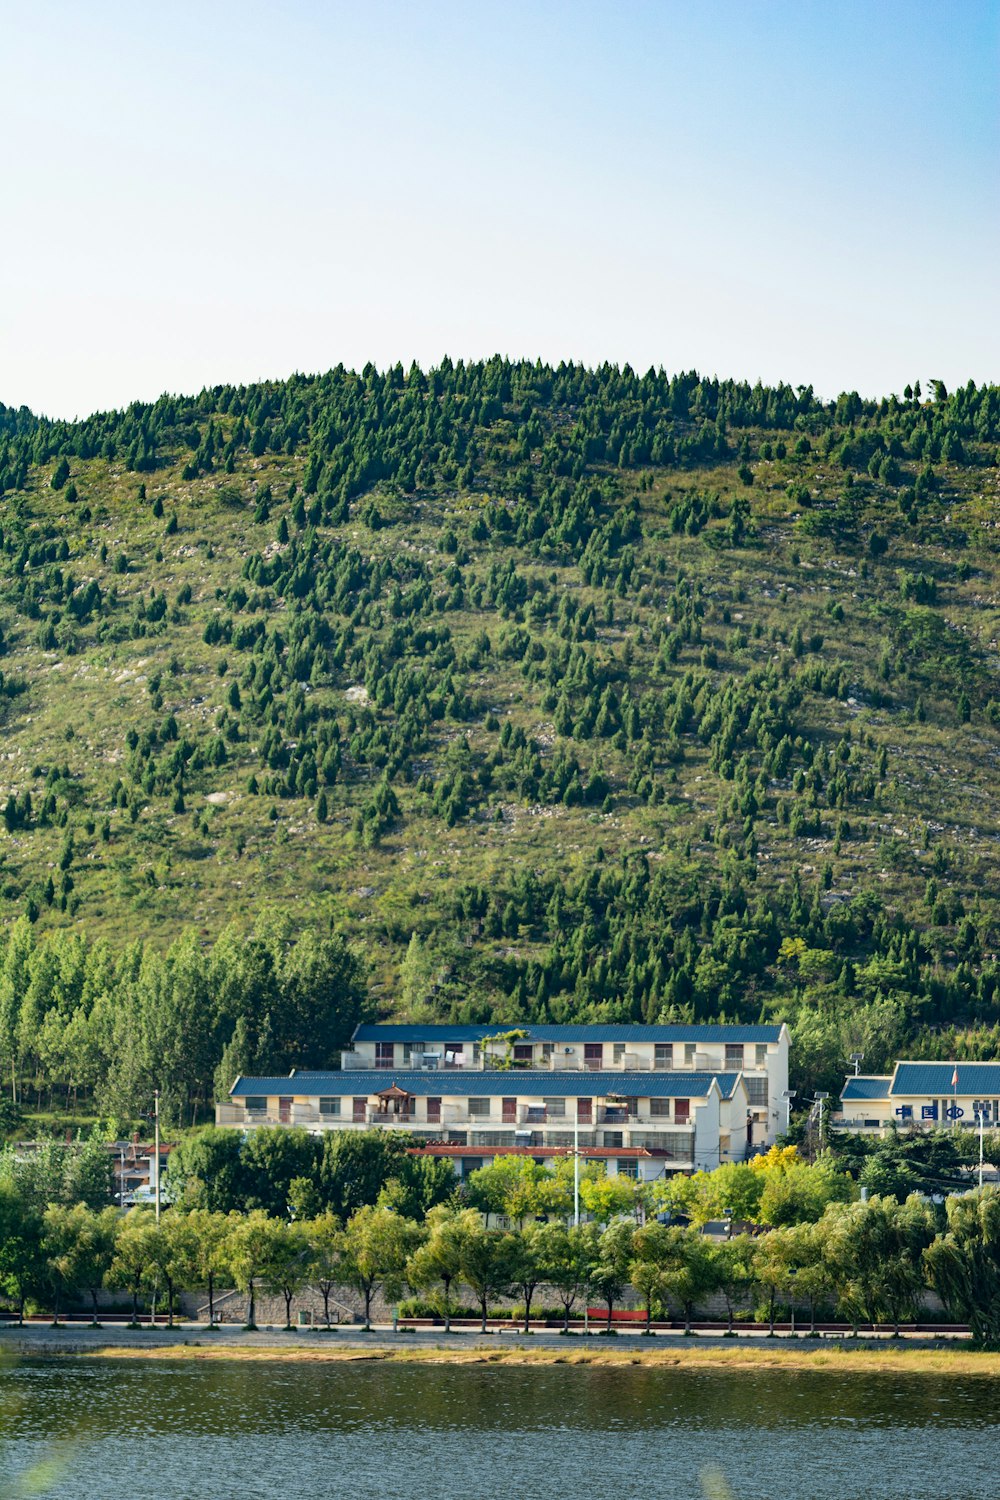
pixel 42 1338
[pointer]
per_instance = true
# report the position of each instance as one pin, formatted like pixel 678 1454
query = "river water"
pixel 204 1432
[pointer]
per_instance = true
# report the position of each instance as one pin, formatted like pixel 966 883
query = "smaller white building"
pixel 921 1096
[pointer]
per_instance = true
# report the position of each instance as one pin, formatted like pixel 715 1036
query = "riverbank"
pixel 912 1356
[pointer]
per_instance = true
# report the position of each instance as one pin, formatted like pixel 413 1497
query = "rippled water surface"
pixel 172 1430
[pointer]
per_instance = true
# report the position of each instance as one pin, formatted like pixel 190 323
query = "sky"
pixel 799 190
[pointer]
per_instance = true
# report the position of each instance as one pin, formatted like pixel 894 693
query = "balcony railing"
pixel 558 1061
pixel 293 1114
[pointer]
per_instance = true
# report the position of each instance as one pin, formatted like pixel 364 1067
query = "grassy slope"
pixel 222 856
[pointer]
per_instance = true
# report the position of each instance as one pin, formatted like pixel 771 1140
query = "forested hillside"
pixel 494 691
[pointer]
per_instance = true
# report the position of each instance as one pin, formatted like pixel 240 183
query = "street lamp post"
pixel 788 1095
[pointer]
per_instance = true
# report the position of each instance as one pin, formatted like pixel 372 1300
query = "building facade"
pixel 759 1053
pixel 644 1100
pixel 921 1096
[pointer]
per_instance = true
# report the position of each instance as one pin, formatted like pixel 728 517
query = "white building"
pixel 759 1053
pixel 642 1124
pixel 642 1099
pixel 921 1096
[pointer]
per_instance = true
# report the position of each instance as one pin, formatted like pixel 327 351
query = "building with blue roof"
pixel 758 1052
pixel 641 1124
pixel 642 1099
pixel 921 1096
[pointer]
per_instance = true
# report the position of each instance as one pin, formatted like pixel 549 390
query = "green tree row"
pixel 872 1260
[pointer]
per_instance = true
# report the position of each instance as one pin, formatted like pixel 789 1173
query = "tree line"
pixel 96 1024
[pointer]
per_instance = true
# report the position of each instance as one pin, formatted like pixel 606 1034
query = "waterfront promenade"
pixel 44 1339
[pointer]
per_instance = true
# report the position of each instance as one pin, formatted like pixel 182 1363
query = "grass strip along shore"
pixel 668 1352
pixel 837 1359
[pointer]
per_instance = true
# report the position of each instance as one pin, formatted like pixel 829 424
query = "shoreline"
pixel 192 1344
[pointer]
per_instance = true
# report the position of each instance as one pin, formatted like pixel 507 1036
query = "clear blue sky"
pixel 790 189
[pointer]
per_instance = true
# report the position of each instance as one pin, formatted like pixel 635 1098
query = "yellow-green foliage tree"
pixel 777 1187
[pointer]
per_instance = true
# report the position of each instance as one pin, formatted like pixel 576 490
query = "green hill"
pixel 555 692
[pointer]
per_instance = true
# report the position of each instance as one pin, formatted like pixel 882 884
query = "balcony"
pixel 293 1114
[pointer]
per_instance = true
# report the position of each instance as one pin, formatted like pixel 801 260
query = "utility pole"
pixel 156 1152
pixel 576 1166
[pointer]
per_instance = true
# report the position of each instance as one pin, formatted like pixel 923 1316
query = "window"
pixel 407 1054
pixel 523 1052
pixel 677 1146
pixel 479 1109
pixel 555 1109
pixel 593 1054
pixel 329 1106
pixel 654 1140
pixel 761 1054
pixel 547 1050
pixel 663 1055
pixel 618 1052
pixel 682 1110
pixel 734 1057
pixel 689 1054
pixel 756 1091
pixel 559 1138
pixel 254 1103
pixel 614 1139
pixel 385 1054
pixel 434 1111
pixel 628 1167
pixel 659 1108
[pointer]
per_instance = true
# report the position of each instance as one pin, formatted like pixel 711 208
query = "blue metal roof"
pixel 398 1031
pixel 934 1079
pixel 866 1087
pixel 465 1082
